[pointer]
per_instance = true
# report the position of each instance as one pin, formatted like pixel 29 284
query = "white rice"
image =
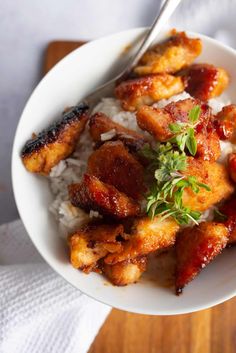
pixel 226 149
pixel 106 136
pixel 72 169
pixel 163 102
pixel 217 104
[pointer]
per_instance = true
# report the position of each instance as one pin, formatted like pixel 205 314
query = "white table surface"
pixel 26 27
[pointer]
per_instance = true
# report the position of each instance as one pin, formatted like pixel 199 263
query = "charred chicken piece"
pixel 100 124
pixel 195 248
pixel 93 194
pixel 170 56
pixel 47 149
pixel 125 272
pixel 225 123
pixel 214 175
pixel 205 81
pixel 136 92
pixel 147 236
pixel 114 165
pixel 232 166
pixel 229 210
pixel 92 242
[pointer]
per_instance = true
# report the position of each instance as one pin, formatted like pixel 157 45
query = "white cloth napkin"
pixel 39 311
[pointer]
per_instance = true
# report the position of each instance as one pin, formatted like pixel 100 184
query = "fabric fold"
pixel 40 311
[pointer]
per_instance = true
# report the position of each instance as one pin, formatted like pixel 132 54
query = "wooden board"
pixel 207 331
pixel 56 51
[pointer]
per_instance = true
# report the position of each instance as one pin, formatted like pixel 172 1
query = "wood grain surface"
pixel 207 331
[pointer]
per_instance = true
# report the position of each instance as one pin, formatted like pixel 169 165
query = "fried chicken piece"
pixel 100 124
pixel 225 123
pixel 232 166
pixel 93 194
pixel 125 272
pixel 47 149
pixel 208 145
pixel 136 92
pixel 147 236
pixel 215 176
pixel 157 120
pixel 170 56
pixel 114 165
pixel 195 248
pixel 205 81
pixel 229 210
pixel 92 242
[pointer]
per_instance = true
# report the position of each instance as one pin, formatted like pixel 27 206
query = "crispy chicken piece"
pixel 195 248
pixel 114 165
pixel 157 120
pixel 92 242
pixel 125 272
pixel 93 194
pixel 229 210
pixel 136 92
pixel 232 166
pixel 225 123
pixel 170 56
pixel 46 150
pixel 100 124
pixel 208 145
pixel 205 81
pixel 147 236
pixel 212 174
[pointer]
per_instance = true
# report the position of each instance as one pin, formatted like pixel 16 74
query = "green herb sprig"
pixel 184 135
pixel 165 196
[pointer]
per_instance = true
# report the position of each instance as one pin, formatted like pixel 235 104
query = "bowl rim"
pixel 14 156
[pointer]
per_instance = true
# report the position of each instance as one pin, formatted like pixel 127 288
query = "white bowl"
pixel 67 83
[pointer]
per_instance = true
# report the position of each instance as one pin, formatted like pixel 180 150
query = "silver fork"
pixel 105 90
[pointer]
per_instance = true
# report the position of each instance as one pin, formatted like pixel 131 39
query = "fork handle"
pixel 166 11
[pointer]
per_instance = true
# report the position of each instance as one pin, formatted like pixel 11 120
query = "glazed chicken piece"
pixel 114 165
pixel 93 194
pixel 100 124
pixel 195 248
pixel 229 210
pixel 92 242
pixel 208 144
pixel 47 149
pixel 146 236
pixel 157 120
pixel 125 272
pixel 136 92
pixel 215 176
pixel 170 56
pixel 225 123
pixel 232 166
pixel 205 81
